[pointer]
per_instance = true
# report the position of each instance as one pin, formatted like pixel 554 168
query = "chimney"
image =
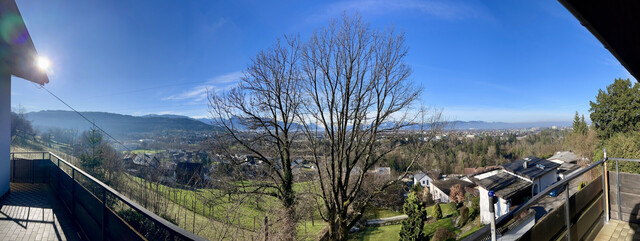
pixel 525 164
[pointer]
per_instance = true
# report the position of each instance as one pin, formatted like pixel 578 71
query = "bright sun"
pixel 43 63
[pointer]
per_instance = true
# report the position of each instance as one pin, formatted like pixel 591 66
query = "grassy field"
pixel 390 232
pixel 447 209
pixel 471 231
pixel 379 213
pixel 251 210
pixel 430 228
pixel 211 203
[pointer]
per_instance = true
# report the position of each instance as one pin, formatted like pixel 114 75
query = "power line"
pixel 84 117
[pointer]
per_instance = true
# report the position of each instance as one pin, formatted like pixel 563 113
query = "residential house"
pixel 440 189
pixel 540 172
pixel 425 179
pixel 568 163
pixel 513 184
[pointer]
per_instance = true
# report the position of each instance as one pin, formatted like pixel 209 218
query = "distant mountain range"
pixel 116 124
pixel 127 125
pixel 483 125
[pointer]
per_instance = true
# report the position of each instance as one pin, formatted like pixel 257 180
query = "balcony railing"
pixel 101 212
pixel 583 213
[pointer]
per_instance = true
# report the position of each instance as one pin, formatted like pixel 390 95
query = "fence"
pixel 101 212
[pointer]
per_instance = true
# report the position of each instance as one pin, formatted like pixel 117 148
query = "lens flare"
pixel 43 63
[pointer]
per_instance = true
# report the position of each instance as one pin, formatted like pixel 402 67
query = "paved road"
pixel 378 221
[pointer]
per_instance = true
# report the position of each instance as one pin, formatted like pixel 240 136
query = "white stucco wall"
pixel 501 207
pixel 438 195
pixel 424 181
pixel 544 181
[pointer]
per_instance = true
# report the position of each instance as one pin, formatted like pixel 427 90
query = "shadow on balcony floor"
pixel 31 212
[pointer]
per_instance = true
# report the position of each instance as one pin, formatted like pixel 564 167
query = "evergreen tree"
pixel 584 128
pixel 412 227
pixel 92 151
pixel 617 109
pixel 579 125
pixel 437 211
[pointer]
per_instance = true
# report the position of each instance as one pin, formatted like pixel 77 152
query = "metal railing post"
pixel 58 182
pixel 606 178
pixel 605 208
pixel 567 218
pixel 618 184
pixel 104 214
pixel 73 192
pixel 33 171
pixel 13 173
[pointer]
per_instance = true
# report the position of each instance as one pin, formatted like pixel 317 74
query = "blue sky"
pixel 513 61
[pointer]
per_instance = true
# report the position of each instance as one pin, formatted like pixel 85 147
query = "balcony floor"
pixel 31 212
pixel 619 230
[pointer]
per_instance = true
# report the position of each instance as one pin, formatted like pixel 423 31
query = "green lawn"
pixel 471 231
pixel 447 209
pixel 391 232
pixel 250 209
pixel 307 231
pixel 430 228
pixel 372 213
pixel 210 203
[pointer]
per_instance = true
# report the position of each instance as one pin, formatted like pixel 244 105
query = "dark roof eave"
pixel 22 55
pixel 630 9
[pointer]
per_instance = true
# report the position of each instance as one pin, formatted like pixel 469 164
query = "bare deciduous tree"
pixel 259 116
pixel 358 90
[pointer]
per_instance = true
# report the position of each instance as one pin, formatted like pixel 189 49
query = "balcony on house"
pixel 606 208
pixel 50 199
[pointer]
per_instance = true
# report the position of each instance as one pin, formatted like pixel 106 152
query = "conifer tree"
pixel 437 211
pixel 417 215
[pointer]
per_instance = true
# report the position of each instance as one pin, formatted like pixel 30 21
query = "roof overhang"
pixel 17 52
pixel 616 24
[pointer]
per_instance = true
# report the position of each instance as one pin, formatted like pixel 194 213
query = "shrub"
pixel 464 216
pixel 437 211
pixel 145 226
pixel 443 234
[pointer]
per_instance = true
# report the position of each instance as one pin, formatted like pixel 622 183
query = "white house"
pixel 440 189
pixel 513 184
pixel 425 179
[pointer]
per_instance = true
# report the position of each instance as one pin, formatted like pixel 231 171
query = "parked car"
pixel 558 190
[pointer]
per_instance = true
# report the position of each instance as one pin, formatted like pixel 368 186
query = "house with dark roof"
pixel 514 183
pixel 440 189
pixel 425 179
pixel 568 163
pixel 540 172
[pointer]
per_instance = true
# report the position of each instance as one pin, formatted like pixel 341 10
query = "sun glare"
pixel 43 63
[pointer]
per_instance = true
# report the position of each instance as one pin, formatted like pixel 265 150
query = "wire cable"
pixel 84 117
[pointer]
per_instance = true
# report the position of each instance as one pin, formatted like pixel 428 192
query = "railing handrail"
pixel 174 228
pixel 508 216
